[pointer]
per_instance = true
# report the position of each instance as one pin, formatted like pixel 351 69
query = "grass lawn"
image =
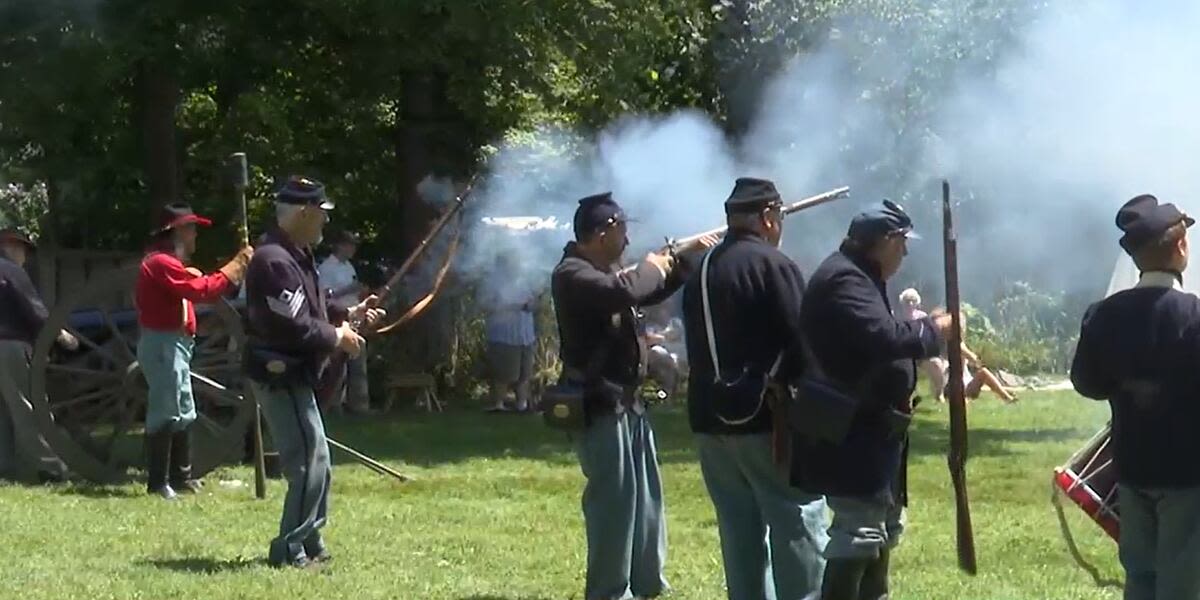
pixel 494 515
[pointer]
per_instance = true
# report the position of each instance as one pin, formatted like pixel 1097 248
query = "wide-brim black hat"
pixel 346 237
pixel 178 214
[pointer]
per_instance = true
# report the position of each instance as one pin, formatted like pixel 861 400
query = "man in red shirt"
pixel 166 294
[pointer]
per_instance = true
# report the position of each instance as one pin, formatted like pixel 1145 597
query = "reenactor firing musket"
pixel 799 205
pixel 788 209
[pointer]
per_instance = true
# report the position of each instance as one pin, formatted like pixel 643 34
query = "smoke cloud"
pixel 1054 117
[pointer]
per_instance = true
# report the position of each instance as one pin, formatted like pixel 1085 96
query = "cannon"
pixel 90 404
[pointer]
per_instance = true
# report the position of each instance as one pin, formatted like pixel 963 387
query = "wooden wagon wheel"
pixel 91 404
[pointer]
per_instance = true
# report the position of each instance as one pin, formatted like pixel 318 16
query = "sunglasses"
pixel 610 222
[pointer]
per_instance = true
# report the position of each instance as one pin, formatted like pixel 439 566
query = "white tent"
pixel 1125 275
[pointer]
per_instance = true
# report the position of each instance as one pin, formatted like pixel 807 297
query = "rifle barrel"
pixel 788 209
pixel 411 260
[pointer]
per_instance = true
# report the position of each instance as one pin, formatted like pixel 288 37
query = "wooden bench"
pixel 423 382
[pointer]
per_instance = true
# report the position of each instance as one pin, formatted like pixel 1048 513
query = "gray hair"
pixel 284 211
pixel 910 296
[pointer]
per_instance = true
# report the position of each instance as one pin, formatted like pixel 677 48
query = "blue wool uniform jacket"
pixel 755 291
pixel 1140 350
pixel 286 311
pixel 848 322
pixel 22 313
pixel 593 305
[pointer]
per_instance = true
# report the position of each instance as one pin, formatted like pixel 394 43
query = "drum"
pixel 1089 479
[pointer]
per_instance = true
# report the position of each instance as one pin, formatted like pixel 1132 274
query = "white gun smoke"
pixel 1089 106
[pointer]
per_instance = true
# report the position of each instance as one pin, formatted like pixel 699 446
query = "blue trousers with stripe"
pixel 622 508
pixel 299 436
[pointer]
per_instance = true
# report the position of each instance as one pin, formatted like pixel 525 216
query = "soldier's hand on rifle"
pixel 348 340
pixel 701 244
pixel 235 269
pixel 367 311
pixel 68 341
pixel 665 262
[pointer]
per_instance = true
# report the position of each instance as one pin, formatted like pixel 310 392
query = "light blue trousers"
pixel 864 525
pixel 772 535
pixel 165 358
pixel 622 508
pixel 1160 543
pixel 23 451
pixel 299 436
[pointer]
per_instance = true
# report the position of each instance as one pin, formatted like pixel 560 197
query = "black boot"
pixel 181 463
pixel 843 578
pixel 875 579
pixel 158 454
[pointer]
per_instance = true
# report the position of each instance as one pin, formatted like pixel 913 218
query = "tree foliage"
pixel 117 106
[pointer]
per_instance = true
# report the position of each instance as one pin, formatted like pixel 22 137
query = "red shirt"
pixel 166 292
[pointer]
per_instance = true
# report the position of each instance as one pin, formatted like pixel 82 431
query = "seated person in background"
pixel 934 368
pixel 975 375
pixel 973 382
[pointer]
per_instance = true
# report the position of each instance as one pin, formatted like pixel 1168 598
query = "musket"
pixel 797 206
pixel 957 457
pixel 393 281
pixel 334 376
pixel 241 180
pixel 788 209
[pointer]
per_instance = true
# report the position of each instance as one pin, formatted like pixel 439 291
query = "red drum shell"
pixel 1089 479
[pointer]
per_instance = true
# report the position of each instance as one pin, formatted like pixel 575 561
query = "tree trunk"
pixel 158 98
pixel 739 77
pixel 414 158
pixel 430 140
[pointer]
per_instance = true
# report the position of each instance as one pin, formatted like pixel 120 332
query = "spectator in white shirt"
pixel 339 280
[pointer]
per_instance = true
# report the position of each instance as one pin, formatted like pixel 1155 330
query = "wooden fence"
pixel 61 272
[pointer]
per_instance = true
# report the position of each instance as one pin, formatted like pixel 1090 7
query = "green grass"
pixel 494 515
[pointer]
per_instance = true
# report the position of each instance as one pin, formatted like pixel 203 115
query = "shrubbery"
pixel 1026 331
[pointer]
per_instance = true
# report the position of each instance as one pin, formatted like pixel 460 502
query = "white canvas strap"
pixel 708 324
